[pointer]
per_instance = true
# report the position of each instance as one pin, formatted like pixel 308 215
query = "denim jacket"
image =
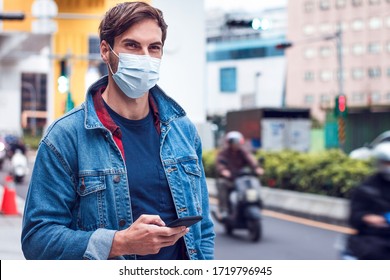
pixel 79 196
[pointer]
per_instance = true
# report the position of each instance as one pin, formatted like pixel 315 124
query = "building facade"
pixel 315 73
pixel 31 63
pixel 244 69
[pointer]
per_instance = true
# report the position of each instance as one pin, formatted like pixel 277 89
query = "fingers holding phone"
pixel 147 235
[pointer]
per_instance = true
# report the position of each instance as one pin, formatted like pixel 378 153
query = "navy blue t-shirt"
pixel 149 189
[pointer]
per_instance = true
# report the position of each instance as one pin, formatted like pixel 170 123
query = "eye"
pixel 131 45
pixel 155 48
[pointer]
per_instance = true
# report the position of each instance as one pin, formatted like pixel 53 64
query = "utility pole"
pixel 341 98
pixel 340 109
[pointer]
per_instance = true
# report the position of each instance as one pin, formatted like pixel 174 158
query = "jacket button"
pixel 122 223
pixel 117 179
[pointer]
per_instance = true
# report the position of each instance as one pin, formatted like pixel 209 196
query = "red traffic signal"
pixel 283 46
pixel 340 108
pixel 342 103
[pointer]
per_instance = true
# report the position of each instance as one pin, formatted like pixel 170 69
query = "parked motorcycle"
pixel 3 153
pixel 19 166
pixel 244 206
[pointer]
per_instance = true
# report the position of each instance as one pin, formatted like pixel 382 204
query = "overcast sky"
pixel 243 4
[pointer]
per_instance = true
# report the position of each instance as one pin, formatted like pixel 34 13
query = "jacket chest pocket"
pixel 91 212
pixel 193 175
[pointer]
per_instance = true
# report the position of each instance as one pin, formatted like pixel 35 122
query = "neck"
pixel 132 109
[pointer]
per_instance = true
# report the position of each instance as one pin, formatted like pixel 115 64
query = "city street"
pixel 282 239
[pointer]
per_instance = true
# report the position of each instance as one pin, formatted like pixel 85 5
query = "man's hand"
pixel 147 235
pixel 226 173
pixel 259 171
pixel 375 220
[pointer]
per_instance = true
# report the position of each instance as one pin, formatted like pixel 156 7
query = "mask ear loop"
pixel 109 66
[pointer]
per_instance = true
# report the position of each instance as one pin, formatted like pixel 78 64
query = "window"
pixel 309 6
pixel 375 23
pixel 228 80
pixel 324 5
pixel 325 98
pixel 357 73
pixel 94 45
pixel 374 72
pixel 388 72
pixel 309 76
pixel 388 22
pixel 308 99
pixel 341 4
pixel 357 97
pixel 326 75
pixel 325 27
pixel 345 50
pixel 357 24
pixel 309 29
pixel 311 52
pixel 387 96
pixel 374 2
pixel 358 49
pixel 343 26
pixel 325 51
pixel 374 48
pixel 375 96
pixel 388 47
pixel 344 75
pixel 357 3
pixel 34 98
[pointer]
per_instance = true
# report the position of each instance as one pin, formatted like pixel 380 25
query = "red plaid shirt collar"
pixel 108 122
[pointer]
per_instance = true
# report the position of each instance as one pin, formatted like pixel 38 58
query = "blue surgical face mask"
pixel 136 74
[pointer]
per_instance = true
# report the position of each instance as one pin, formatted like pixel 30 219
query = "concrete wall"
pixel 268 87
pixel 184 60
pixel 318 207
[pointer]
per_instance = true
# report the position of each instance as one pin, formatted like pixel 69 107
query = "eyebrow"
pixel 138 43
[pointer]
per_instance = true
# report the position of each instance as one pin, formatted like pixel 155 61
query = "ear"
pixel 104 51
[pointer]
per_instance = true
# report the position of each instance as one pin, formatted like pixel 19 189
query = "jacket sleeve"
pixel 49 230
pixel 221 162
pixel 249 158
pixel 362 202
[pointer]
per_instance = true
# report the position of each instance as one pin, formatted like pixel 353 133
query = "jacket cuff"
pixel 99 244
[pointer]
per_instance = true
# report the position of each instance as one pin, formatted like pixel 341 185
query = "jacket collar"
pixel 164 108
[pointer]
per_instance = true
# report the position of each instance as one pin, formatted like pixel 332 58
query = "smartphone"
pixel 185 221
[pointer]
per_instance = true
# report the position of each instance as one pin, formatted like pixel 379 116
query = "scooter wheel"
pixel 228 229
pixel 255 230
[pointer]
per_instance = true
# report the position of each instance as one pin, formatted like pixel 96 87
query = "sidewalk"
pixel 10 231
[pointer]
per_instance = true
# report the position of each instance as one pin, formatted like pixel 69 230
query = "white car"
pixel 366 151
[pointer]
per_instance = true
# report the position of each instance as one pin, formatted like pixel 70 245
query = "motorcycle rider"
pixel 370 211
pixel 230 160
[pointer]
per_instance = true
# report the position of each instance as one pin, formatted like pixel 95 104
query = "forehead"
pixel 145 31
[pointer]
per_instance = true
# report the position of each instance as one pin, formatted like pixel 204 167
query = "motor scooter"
pixel 244 206
pixel 19 166
pixel 3 153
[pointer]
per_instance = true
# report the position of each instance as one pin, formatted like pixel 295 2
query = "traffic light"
pixel 63 79
pixel 12 16
pixel 283 46
pixel 256 23
pixel 340 108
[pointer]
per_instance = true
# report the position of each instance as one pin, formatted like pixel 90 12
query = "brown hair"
pixel 122 16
